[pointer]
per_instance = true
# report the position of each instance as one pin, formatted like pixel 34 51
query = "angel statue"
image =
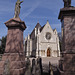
pixel 17 8
pixel 67 3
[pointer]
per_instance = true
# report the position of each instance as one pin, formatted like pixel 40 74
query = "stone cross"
pixel 17 8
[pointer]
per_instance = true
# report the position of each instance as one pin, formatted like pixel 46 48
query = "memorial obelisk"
pixel 67 17
pixel 14 44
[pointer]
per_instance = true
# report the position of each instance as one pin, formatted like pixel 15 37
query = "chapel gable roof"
pixel 42 28
pixel 54 29
pixel 37 26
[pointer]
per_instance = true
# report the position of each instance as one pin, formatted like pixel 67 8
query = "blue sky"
pixel 31 12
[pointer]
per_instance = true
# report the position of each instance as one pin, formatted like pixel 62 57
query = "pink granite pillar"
pixel 67 17
pixel 14 47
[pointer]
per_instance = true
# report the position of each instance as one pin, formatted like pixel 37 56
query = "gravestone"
pixel 67 17
pixel 38 68
pixel 40 62
pixel 33 70
pixel 14 47
pixel 6 68
pixel 28 67
pixel 50 69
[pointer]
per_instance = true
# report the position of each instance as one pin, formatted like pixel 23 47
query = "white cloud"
pixel 42 17
pixel 30 10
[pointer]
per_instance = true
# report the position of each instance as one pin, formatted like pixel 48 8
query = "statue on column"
pixel 17 8
pixel 67 3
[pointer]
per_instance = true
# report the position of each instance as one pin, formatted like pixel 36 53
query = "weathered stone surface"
pixel 13 56
pixel 69 63
pixel 6 67
pixel 66 12
pixel 15 22
pixel 67 16
pixel 14 47
pixel 1 71
pixel 2 64
pixel 17 71
pixel 14 42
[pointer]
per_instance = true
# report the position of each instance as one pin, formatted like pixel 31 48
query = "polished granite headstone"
pixel 14 47
pixel 67 17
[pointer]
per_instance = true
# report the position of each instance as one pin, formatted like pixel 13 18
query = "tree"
pixel 3 44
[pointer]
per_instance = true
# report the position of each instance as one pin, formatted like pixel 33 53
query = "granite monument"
pixel 67 17
pixel 14 44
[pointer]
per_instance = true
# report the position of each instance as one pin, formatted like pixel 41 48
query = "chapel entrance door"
pixel 48 52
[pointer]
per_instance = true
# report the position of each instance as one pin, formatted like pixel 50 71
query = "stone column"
pixel 30 47
pixel 37 47
pixel 67 17
pixel 14 47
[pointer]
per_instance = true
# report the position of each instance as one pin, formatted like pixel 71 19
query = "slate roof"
pixel 42 28
pixel 37 26
pixel 54 29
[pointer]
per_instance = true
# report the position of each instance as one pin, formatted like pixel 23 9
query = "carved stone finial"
pixel 67 3
pixel 17 8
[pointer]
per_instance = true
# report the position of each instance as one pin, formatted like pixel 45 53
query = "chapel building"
pixel 43 41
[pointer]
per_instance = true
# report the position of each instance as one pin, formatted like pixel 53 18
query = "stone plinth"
pixel 14 47
pixel 14 42
pixel 67 17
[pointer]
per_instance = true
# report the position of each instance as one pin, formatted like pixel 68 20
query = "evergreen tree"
pixel 3 44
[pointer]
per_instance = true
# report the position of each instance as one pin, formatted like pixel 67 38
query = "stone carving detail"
pixel 17 8
pixel 6 67
pixel 67 3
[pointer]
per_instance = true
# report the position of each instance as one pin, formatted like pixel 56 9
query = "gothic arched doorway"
pixel 48 52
